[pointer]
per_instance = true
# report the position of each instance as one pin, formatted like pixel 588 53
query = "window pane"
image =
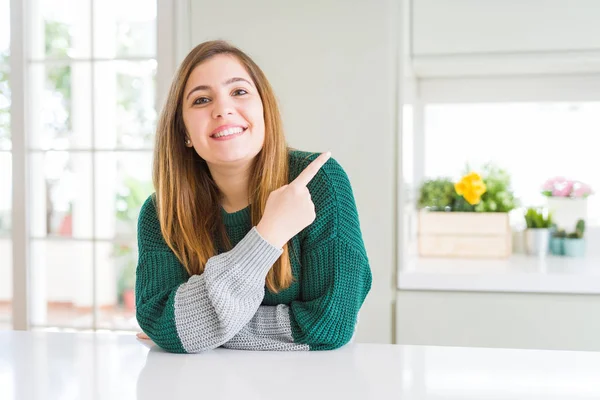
pixel 4 25
pixel 4 75
pixel 5 142
pixel 61 194
pixel 123 183
pixel 6 190
pixel 60 29
pixel 5 241
pixel 408 143
pixel 125 114
pixel 60 98
pixel 5 172
pixel 125 28
pixel 5 282
pixel 61 283
pixel 533 142
pixel 116 263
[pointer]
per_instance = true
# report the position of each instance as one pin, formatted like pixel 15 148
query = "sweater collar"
pixel 240 217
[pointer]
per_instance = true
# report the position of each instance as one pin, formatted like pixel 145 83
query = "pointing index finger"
pixel 311 171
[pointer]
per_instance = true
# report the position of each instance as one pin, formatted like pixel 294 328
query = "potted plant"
pixel 437 195
pixel 498 196
pixel 567 199
pixel 537 234
pixel 574 243
pixel 474 221
pixel 557 242
pixel 128 291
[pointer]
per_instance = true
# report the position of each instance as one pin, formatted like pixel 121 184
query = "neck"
pixel 233 184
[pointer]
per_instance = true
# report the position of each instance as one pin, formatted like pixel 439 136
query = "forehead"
pixel 216 70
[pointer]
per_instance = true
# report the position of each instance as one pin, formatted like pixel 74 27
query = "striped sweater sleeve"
pixel 335 277
pixel 202 312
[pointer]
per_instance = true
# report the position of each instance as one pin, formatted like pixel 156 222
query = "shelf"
pixel 519 273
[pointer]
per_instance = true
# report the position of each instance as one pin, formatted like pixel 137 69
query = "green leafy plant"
pixel 440 194
pixel 499 196
pixel 437 194
pixel 58 44
pixel 579 230
pixel 536 219
pixel 130 198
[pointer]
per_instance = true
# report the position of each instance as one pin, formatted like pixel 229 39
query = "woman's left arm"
pixel 327 321
pixel 335 277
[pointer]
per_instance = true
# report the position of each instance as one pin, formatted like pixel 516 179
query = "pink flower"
pixel 561 191
pixel 562 187
pixel 569 187
pixel 548 186
pixel 551 183
pixel 582 190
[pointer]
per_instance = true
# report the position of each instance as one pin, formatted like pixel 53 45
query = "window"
pixel 533 141
pixel 91 73
pixel 5 170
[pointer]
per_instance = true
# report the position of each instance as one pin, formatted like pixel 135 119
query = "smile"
pixel 229 133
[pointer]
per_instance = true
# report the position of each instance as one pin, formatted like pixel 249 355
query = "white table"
pixel 46 365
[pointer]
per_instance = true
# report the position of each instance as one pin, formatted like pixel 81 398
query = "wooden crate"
pixel 464 234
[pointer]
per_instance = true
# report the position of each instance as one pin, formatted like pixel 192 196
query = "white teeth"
pixel 227 132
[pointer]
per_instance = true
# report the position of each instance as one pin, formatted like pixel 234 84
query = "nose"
pixel 222 107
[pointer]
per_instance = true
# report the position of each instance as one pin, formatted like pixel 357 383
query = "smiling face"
pixel 223 112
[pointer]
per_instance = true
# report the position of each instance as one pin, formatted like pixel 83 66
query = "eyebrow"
pixel 227 82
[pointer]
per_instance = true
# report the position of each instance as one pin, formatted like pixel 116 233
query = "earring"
pixel 188 142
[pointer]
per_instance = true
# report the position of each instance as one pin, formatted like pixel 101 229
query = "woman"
pixel 246 244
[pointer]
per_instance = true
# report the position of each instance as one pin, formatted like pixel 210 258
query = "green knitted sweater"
pixel 228 305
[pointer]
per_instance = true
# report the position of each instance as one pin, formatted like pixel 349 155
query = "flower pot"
pixel 567 211
pixel 129 299
pixel 537 241
pixel 557 246
pixel 574 247
pixel 66 226
pixel 464 234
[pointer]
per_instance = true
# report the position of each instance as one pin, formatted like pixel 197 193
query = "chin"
pixel 230 159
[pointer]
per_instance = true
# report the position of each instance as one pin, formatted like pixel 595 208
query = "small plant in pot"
pixel 437 195
pixel 537 234
pixel 574 242
pixel 557 242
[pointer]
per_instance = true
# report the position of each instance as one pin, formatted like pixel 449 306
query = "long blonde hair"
pixel 187 198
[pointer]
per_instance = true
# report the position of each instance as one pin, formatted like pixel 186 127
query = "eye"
pixel 239 92
pixel 200 101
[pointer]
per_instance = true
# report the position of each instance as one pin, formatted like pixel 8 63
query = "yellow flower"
pixel 471 187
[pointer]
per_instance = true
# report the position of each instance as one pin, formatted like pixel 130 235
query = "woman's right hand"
pixel 290 209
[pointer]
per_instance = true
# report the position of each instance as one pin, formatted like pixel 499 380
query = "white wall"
pixel 442 27
pixel 483 37
pixel 333 65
